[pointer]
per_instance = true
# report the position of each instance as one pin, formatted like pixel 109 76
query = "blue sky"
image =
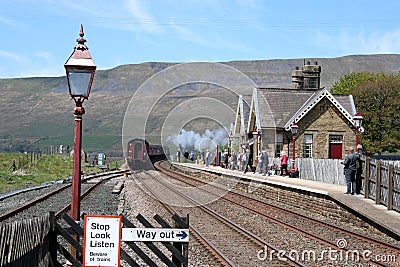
pixel 38 35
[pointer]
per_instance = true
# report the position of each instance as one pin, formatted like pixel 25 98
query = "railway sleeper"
pixel 118 187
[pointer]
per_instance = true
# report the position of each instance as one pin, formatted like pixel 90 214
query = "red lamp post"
pixel 80 69
pixel 358 120
pixel 294 128
pixel 256 146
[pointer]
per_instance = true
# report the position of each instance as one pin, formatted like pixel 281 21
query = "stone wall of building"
pixel 322 121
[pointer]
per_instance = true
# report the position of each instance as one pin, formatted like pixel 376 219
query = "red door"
pixel 335 146
pixel 335 150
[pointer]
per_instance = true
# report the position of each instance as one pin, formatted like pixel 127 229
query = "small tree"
pixel 376 96
pixel 350 81
pixel 378 101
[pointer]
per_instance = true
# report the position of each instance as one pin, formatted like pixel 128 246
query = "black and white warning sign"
pixel 155 234
pixel 102 240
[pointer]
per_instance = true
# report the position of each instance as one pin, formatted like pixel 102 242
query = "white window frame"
pixel 336 138
pixel 308 146
pixel 278 144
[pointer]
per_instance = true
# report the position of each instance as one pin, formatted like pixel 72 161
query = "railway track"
pixel 362 249
pixel 228 241
pixel 56 200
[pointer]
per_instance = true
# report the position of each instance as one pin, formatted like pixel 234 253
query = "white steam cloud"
pixel 192 140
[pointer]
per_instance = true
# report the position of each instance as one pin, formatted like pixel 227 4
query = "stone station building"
pixel 325 121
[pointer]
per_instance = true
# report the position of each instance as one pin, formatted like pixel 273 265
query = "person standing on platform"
pixel 226 159
pixel 350 167
pixel 207 158
pixel 186 155
pixel 239 161
pixel 233 161
pixel 203 156
pixel 250 161
pixel 247 165
pixel 244 161
pixel 284 162
pixel 265 161
pixel 260 164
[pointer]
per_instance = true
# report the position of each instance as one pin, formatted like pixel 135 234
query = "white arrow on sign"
pixel 155 234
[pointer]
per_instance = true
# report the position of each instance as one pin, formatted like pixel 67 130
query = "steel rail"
pixel 314 220
pixel 231 224
pixel 37 200
pixel 31 203
pixel 86 193
pixel 284 224
pixel 217 253
pixel 17 192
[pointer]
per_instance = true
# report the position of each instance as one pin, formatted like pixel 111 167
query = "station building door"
pixel 335 146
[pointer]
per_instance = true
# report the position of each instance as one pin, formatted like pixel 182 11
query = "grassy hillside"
pixel 37 112
pixel 31 169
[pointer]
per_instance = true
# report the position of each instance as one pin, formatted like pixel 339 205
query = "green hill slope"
pixel 37 112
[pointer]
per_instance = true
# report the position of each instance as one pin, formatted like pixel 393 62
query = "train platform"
pixel 357 204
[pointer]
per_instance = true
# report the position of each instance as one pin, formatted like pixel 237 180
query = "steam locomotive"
pixel 141 155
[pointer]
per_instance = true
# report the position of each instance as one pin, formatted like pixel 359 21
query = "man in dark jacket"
pixel 265 162
pixel 350 167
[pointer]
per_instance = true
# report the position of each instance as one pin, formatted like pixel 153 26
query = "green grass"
pixel 32 170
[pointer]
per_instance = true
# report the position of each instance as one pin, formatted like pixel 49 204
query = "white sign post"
pixel 155 234
pixel 102 241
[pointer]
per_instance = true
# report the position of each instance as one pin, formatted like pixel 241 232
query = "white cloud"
pixel 233 45
pixel 188 35
pixel 145 20
pixel 49 71
pixel 47 56
pixel 6 21
pixel 75 6
pixel 10 55
pixel 379 43
pixel 362 42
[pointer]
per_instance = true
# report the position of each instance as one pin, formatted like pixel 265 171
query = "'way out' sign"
pixel 102 240
pixel 155 234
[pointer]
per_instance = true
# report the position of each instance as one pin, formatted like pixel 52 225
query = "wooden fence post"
pixel 378 182
pixel 366 177
pixel 53 240
pixel 390 187
pixel 181 247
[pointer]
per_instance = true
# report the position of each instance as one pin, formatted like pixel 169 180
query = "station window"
pixel 335 139
pixel 308 142
pixel 278 145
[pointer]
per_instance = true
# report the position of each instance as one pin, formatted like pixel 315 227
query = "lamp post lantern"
pixel 358 120
pixel 294 128
pixel 80 69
